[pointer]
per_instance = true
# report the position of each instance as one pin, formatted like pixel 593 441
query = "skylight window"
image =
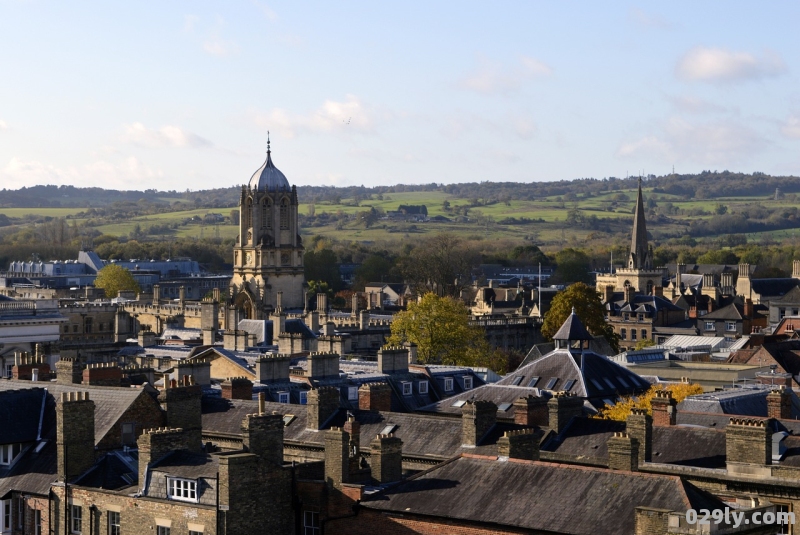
pixel 568 385
pixel 287 419
pixel 517 380
pixel 459 403
pixel 504 406
pixel 533 381
pixel 596 384
pixel 551 383
pixel 388 429
pixel 609 383
pixel 623 382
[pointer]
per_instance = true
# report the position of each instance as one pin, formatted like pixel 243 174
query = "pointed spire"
pixel 640 252
pixel 268 151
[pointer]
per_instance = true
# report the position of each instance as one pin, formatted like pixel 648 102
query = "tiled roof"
pixel 541 497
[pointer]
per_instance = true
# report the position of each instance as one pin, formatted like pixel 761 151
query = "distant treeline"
pixel 705 185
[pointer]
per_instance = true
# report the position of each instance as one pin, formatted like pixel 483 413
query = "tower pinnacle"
pixel 640 253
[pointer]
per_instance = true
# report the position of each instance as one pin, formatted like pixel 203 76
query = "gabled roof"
pixel 792 296
pixel 21 413
pixel 773 287
pixel 536 496
pixel 730 312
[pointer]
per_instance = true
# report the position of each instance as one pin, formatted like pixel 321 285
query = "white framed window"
pixel 709 325
pixel 352 393
pixel 785 509
pixel 283 397
pixel 113 523
pixel 9 370
pixel 6 516
pixel 448 384
pixel 423 387
pixel 407 389
pixel 184 490
pixel 77 518
pixel 303 398
pixel 730 326
pixel 467 382
pixel 311 523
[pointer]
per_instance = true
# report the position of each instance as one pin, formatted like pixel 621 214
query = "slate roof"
pixel 21 413
pixel 187 464
pixel 773 287
pixel 586 438
pixel 750 401
pixel 709 268
pixel 595 377
pixel 730 312
pixel 572 329
pixel 545 497
pixel 503 396
pixel 792 296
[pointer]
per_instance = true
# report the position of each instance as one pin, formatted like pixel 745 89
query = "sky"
pixel 180 95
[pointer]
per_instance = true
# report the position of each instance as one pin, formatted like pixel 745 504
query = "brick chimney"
pixel 386 458
pixel 531 410
pixel 623 452
pixel 209 320
pixel 748 441
pixel 29 367
pixel 522 444
pixel 562 407
pixel 630 293
pixel 262 435
pixel 68 371
pixel 154 445
pixel 375 397
pixel 779 404
pixel 321 404
pixel 639 426
pixel 102 374
pixel 665 408
pixel 74 434
pixel 237 388
pixel 477 418
pixel 748 308
pixel 337 457
pixel 658 291
pixel 608 293
pixel 182 405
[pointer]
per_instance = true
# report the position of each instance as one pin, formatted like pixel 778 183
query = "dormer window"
pixel 352 393
pixel 448 384
pixel 184 490
pixel 467 382
pixel 710 326
pixel 423 387
pixel 303 398
pixel 407 389
pixel 283 397
pixel 9 452
pixel 730 326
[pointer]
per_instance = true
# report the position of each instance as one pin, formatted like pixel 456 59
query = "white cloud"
pixel 166 136
pixel 189 22
pixel 695 105
pixel 518 125
pixel 219 47
pixel 720 65
pixel 265 10
pixel 125 173
pixel 650 21
pixel 491 78
pixel 347 116
pixel 711 143
pixel 3 125
pixel 792 127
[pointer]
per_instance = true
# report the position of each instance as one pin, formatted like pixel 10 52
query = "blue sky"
pixel 180 95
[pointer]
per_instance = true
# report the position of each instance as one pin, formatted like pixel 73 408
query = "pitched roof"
pixel 773 287
pixel 730 312
pixel 21 413
pixel 546 497
pixel 572 329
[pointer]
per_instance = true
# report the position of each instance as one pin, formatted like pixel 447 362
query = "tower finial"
pixel 268 151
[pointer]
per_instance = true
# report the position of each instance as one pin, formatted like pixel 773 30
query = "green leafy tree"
pixel 588 307
pixel 114 279
pixel 323 266
pixel 440 328
pixel 644 343
pixel 572 266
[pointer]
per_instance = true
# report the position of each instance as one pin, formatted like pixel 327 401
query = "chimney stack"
pixel 154 445
pixel 375 397
pixel 630 293
pixel 623 452
pixel 639 426
pixel 262 435
pixel 563 407
pixel 748 441
pixel 386 458
pixel 182 405
pixel 273 368
pixel 477 418
pixel 531 411
pixel 796 269
pixel 74 434
pixel 209 320
pixel 337 457
pixel 779 404
pixel 321 404
pixel 393 359
pixel 665 408
pixel 522 444
pixel 237 388
pixel 608 293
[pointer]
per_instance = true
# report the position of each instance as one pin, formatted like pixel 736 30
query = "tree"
pixel 644 343
pixel 622 409
pixel 114 279
pixel 440 328
pixel 323 266
pixel 589 309
pixel 572 266
pixel 442 264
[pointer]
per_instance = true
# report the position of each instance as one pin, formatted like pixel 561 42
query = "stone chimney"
pixel 29 367
pixel 477 418
pixel 354 305
pixel 352 427
pixel 679 270
pixel 726 283
pixel 393 359
pixel 182 294
pixel 273 368
pixel 665 408
pixel 322 365
pixel 522 444
pixel 639 426
pixel 747 309
pixel 608 293
pixel 363 320
pixel 375 397
pixel 102 374
pixel 779 403
pixel 154 445
pixel 658 291
pixel 748 441
pixel 278 325
pixel 623 452
pixel 209 321
pixel 312 321
pixel 322 303
pixel 630 294
pixel 563 407
pixel 412 352
pixel 182 405
pixel 156 294
pixel 337 457
pixel 68 371
pixel 262 435
pixel 743 286
pixel 531 410
pixel 237 388
pixel 74 434
pixel 146 338
pixel 796 269
pixel 386 458
pixel 321 404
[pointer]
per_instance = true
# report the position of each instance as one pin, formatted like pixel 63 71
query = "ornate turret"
pixel 572 330
pixel 640 257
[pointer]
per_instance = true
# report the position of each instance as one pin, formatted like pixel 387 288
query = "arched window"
pixel 285 213
pixel 266 215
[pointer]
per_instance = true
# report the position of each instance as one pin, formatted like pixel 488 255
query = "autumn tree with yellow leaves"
pixel 622 409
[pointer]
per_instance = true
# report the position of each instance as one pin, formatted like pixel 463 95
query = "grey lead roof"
pixel 268 177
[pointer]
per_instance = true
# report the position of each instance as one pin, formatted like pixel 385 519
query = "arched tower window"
pixel 248 214
pixel 285 213
pixel 266 215
pixel 649 287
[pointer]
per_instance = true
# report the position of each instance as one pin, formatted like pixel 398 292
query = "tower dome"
pixel 268 177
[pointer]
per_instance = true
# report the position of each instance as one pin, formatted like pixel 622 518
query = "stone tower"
pixel 640 257
pixel 268 255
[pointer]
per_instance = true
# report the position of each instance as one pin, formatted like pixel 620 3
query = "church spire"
pixel 640 253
